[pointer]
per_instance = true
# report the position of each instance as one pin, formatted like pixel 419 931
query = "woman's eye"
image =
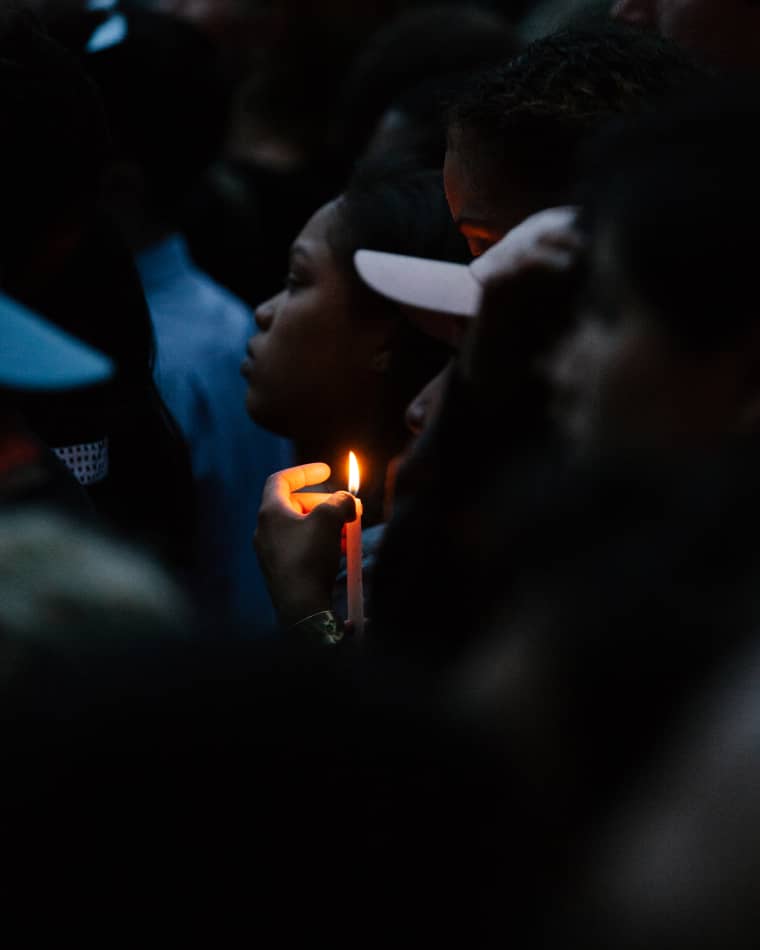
pixel 293 282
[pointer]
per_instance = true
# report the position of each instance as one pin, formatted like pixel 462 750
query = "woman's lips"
pixel 246 367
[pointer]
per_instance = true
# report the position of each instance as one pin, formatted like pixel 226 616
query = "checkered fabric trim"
pixel 88 463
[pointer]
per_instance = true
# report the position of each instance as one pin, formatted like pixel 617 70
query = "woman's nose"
pixel 265 314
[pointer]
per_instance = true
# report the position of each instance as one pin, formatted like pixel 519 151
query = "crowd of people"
pixel 502 252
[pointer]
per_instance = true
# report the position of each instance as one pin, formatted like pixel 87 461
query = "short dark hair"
pixel 676 195
pixel 402 211
pixel 419 46
pixel 398 209
pixel 532 113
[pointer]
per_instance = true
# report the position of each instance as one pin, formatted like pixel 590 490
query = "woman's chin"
pixel 253 406
pixel 257 413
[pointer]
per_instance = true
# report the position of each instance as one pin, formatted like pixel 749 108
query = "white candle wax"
pixel 354 571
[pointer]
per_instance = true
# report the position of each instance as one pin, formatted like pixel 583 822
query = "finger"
pixel 311 500
pixel 303 476
pixel 281 484
pixel 338 509
pixel 307 501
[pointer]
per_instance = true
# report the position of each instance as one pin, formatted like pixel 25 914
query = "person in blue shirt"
pixel 159 85
pixel 59 259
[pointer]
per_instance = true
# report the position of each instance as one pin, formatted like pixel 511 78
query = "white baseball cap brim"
pixel 438 286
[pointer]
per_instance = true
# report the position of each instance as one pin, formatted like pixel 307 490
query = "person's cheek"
pixel 579 358
pixel 628 385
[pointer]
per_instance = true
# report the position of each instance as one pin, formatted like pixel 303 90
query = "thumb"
pixel 337 510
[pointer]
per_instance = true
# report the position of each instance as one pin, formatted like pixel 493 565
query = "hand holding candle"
pixel 354 553
pixel 298 540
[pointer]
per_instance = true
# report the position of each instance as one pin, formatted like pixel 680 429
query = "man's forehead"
pixel 485 188
pixel 471 187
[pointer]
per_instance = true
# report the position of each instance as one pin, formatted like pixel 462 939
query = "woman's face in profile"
pixel 309 366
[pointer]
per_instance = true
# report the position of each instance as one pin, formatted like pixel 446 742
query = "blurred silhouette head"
pixel 55 143
pixel 724 32
pixel 62 584
pixel 667 349
pixel 515 130
pixel 164 99
pixel 409 68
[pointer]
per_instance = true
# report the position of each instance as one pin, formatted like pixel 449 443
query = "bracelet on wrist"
pixel 320 629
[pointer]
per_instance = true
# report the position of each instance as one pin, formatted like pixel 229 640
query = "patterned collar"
pixel 88 463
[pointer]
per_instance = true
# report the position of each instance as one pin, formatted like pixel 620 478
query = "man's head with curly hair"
pixel 514 130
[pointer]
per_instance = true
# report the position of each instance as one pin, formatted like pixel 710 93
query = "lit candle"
pixel 354 553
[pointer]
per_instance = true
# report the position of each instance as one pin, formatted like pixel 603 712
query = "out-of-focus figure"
pixel 723 32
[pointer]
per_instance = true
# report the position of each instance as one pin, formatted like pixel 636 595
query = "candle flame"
pixel 353 474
